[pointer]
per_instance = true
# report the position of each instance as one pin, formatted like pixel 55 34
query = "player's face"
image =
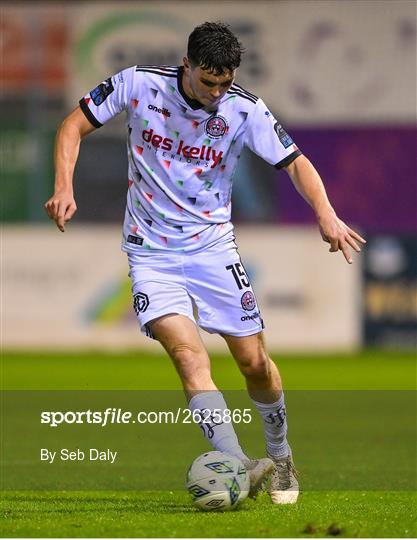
pixel 204 86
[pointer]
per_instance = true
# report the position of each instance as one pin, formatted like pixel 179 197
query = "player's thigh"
pixel 180 338
pixel 175 331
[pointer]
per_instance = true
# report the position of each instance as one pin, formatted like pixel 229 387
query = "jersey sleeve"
pixel 109 98
pixel 268 139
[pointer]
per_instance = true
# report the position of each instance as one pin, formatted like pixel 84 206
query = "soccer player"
pixel 186 128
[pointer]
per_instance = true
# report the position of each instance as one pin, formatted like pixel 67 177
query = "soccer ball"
pixel 217 481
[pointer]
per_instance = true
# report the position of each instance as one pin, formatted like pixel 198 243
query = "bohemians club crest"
pixel 216 126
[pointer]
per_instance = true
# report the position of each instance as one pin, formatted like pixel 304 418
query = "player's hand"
pixel 61 207
pixel 340 237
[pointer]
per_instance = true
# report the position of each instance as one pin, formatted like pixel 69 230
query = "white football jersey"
pixel 182 156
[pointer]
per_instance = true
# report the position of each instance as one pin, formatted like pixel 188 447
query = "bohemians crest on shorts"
pixel 216 126
pixel 248 301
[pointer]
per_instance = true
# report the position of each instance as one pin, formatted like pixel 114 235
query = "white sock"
pixel 221 435
pixel 275 427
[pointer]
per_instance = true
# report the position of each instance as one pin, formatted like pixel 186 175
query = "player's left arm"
pixel 333 230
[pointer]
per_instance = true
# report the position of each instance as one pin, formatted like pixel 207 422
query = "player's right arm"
pixel 104 102
pixel 61 206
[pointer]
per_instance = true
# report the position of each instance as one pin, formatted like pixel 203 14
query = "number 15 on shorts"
pixel 239 275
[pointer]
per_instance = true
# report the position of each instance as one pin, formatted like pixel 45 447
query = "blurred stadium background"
pixel 341 76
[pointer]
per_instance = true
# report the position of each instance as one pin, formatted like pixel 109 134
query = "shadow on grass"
pixel 84 505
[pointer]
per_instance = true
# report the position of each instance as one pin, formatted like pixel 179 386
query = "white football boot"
pixel 259 471
pixel 284 488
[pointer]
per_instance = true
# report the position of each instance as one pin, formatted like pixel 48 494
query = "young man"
pixel 186 129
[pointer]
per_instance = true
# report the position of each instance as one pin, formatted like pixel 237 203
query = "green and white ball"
pixel 217 481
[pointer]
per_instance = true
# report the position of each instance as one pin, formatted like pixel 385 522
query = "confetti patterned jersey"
pixel 182 156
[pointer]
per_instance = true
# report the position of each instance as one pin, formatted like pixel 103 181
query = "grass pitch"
pixel 321 512
pixel 170 514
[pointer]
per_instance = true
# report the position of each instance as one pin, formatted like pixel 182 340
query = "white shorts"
pixel 212 284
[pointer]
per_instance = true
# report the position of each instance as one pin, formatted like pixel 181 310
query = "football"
pixel 217 481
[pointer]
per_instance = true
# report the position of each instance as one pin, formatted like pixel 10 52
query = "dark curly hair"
pixel 214 47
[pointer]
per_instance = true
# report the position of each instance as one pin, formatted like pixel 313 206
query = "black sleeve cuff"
pixel 89 115
pixel 289 159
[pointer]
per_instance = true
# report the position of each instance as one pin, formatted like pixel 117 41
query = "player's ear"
pixel 188 65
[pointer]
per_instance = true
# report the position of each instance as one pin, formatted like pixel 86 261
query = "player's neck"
pixel 185 90
pixel 187 87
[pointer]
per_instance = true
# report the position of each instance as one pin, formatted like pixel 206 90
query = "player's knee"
pixel 191 364
pixel 256 367
pixel 185 352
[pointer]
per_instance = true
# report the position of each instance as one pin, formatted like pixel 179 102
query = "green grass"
pixel 371 369
pixel 169 514
pixel 341 437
